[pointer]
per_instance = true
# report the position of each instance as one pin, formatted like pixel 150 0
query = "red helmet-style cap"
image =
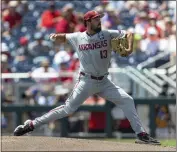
pixel 91 15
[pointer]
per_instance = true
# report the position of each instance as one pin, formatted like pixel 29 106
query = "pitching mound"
pixel 32 143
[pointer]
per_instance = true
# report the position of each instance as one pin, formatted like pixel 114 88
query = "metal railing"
pixel 119 75
pixel 168 80
pixel 152 60
pixel 146 80
pixel 140 83
pixel 156 79
pixel 173 76
pixel 165 66
pixel 171 70
pixel 137 83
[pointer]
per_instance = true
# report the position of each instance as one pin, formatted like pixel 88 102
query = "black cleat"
pixel 23 129
pixel 144 138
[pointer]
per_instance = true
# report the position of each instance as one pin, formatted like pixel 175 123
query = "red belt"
pixel 93 77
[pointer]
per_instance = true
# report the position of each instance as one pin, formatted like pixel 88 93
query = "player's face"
pixel 96 24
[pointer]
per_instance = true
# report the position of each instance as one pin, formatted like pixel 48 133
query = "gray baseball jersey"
pixel 94 53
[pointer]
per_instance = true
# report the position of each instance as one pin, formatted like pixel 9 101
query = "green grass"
pixel 169 142
pixel 164 142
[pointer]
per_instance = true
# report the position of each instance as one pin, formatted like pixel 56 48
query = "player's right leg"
pixel 117 95
pixel 82 90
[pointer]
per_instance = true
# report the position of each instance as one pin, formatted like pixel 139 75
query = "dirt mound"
pixel 33 143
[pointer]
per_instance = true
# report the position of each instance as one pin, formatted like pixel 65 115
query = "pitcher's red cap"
pixel 91 15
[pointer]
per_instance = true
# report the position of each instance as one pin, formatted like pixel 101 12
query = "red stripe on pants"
pixel 70 95
pixel 56 108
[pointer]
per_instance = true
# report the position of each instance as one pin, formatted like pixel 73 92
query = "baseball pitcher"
pixel 94 48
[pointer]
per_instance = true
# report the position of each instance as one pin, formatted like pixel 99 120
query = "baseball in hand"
pixel 52 37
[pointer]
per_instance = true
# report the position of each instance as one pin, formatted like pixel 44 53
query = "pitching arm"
pixel 58 38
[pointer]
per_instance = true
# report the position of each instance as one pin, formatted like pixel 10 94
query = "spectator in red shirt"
pixel 152 23
pixel 50 17
pixel 11 16
pixel 68 21
pixel 23 43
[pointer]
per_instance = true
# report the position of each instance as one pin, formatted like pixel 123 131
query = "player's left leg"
pixel 117 95
pixel 82 90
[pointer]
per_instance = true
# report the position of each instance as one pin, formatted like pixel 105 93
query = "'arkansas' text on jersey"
pixel 93 46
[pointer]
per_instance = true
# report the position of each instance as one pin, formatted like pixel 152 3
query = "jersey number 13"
pixel 103 54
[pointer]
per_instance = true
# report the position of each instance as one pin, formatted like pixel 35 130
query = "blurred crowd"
pixel 26 26
pixel 25 45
